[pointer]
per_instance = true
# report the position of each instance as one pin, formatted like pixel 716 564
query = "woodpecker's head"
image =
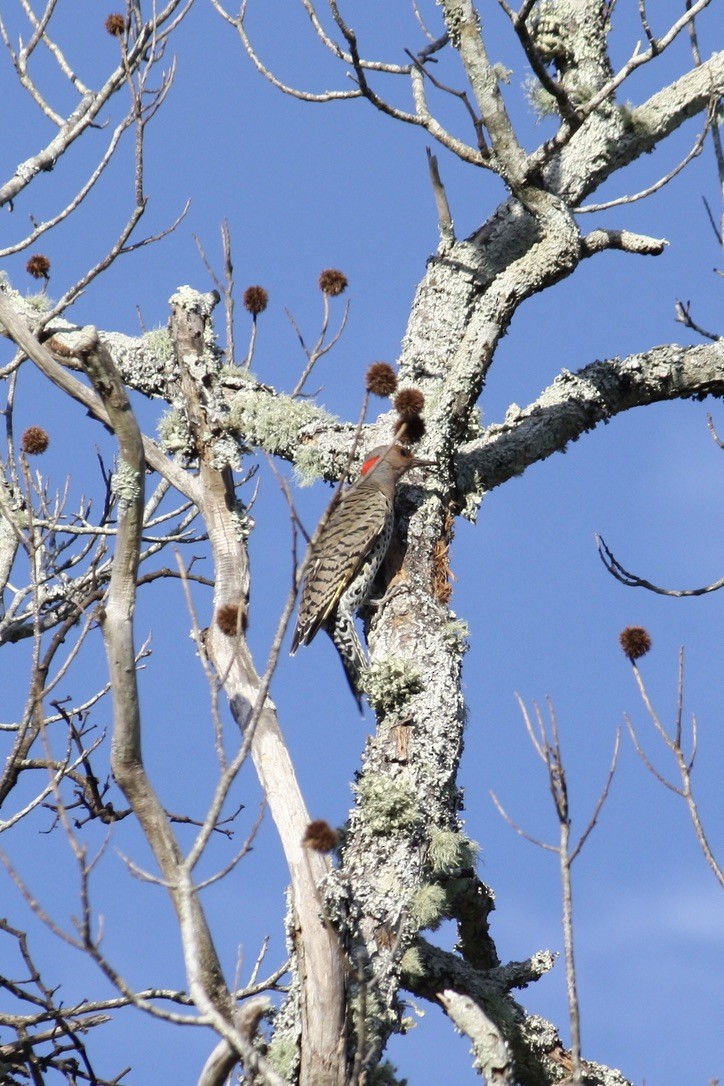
pixel 391 460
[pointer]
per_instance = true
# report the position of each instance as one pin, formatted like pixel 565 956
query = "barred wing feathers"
pixel 347 538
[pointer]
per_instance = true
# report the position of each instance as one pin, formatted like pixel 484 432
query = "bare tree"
pixel 355 924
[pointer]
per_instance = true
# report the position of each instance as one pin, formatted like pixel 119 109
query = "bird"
pixel 345 555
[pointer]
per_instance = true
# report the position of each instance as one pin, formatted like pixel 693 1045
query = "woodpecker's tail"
pixel 342 630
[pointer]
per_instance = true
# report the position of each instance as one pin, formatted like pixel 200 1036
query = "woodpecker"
pixel 345 557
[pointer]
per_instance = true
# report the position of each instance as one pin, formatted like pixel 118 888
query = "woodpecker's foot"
pixel 393 589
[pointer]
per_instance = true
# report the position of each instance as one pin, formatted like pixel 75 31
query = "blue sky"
pixel 307 187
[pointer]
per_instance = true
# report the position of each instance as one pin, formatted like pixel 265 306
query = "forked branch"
pixel 674 743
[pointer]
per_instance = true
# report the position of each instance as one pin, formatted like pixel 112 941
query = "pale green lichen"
pixel 471 507
pixel 126 484
pixel 146 363
pixel 411 963
pixel 544 104
pixel 159 343
pixel 390 683
pixel 540 100
pixel 580 90
pixel 449 850
pixel 39 303
pixel 550 31
pixel 502 74
pixel 373 1006
pixel 283 1056
pixel 454 22
pixel 638 120
pixel 309 465
pixel 173 432
pixel 227 453
pixel 474 424
pixel 194 301
pixel 243 523
pixel 388 806
pixel 456 633
pixel 388 880
pixel 377 1016
pixel 274 422
pixel 428 906
pixel 21 518
pixel 236 375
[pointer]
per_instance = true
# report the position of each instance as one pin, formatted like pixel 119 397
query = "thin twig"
pixel 631 580
pixel 674 745
pixel 693 153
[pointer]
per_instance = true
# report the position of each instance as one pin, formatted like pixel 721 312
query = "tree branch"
pixel 576 402
pixel 539 1055
pixel 43 359
pixel 319 959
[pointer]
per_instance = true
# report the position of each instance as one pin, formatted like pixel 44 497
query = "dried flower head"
pixel 320 836
pixel 232 619
pixel 38 266
pixel 115 24
pixel 34 441
pixel 411 429
pixel 409 402
pixel 332 282
pixel 381 379
pixel 256 299
pixel 635 641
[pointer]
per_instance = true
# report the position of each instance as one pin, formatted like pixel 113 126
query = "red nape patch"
pixel 370 463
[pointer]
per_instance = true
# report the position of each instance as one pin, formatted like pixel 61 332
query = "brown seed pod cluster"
pixel 256 299
pixel 409 402
pixel 232 619
pixel 635 642
pixel 38 266
pixel 411 430
pixel 333 282
pixel 34 441
pixel 381 379
pixel 115 24
pixel 320 836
